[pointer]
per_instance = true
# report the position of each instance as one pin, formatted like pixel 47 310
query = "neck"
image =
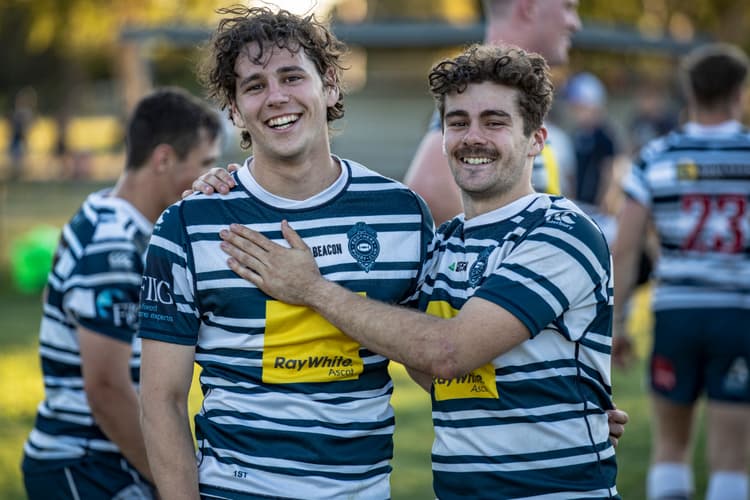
pixel 478 205
pixel 137 188
pixel 295 179
pixel 712 116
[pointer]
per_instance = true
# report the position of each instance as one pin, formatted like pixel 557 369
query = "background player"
pixel 86 441
pixel 695 186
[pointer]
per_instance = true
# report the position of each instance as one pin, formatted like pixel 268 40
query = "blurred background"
pixel 72 69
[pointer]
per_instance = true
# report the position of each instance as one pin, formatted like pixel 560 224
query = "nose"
pixel 473 136
pixel 276 94
pixel 575 23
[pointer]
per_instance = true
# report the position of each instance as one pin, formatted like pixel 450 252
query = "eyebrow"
pixel 280 71
pixel 484 114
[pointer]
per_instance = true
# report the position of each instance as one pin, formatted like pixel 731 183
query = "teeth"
pixel 282 120
pixel 476 161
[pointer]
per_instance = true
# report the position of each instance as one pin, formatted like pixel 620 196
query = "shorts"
pixel 701 350
pixel 93 477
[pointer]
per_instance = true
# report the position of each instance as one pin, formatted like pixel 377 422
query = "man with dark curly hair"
pixel 292 407
pixel 542 26
pixel 515 346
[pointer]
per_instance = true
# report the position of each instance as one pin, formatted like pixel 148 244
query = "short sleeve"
pixel 168 312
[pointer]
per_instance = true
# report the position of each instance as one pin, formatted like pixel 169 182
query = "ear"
pixel 526 9
pixel 237 119
pixel 162 158
pixel 538 139
pixel 332 88
pixel 332 95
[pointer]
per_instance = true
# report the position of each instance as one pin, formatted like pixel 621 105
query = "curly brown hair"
pixel 506 65
pixel 270 30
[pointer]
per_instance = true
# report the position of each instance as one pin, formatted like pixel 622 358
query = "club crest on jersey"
pixel 363 245
pixel 479 266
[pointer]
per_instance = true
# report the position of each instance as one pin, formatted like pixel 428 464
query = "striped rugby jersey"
pixel 696 183
pixel 531 422
pixel 94 283
pixel 292 407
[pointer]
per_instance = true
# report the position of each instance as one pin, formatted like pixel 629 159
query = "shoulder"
pixel 105 219
pixel 363 178
pixel 567 223
pixel 658 147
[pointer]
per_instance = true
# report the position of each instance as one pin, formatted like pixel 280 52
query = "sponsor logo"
pixel 324 250
pixel 363 245
pixel 160 220
pixel 687 170
pixel 480 383
pixel 564 219
pixel 663 374
pixel 736 379
pixel 155 290
pixel 459 267
pixel 300 346
pixel 111 303
pixel 120 260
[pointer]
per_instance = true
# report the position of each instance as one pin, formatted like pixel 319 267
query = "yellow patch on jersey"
pixel 480 383
pixel 301 346
pixel 687 170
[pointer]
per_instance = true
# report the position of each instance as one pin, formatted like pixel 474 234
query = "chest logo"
pixel 479 267
pixel 363 245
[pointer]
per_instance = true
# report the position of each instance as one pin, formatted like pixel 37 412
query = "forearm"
pixel 626 253
pixel 424 380
pixel 625 270
pixel 171 452
pixel 116 412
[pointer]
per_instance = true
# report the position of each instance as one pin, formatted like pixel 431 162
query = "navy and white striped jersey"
pixel 696 183
pixel 532 422
pixel 292 407
pixel 94 283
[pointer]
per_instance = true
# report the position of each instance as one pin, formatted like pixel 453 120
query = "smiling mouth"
pixel 476 160
pixel 282 122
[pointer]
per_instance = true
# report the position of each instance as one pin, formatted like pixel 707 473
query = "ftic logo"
pixel 154 290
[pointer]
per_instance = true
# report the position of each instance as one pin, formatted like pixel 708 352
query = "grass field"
pixel 25 205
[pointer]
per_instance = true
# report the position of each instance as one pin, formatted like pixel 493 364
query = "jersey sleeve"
pixel 168 312
pixel 427 235
pixel 563 264
pixel 635 183
pixel 103 290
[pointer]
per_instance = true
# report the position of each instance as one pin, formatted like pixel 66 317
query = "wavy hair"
pixel 270 30
pixel 505 65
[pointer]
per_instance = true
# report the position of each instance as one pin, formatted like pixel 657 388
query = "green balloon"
pixel 31 258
